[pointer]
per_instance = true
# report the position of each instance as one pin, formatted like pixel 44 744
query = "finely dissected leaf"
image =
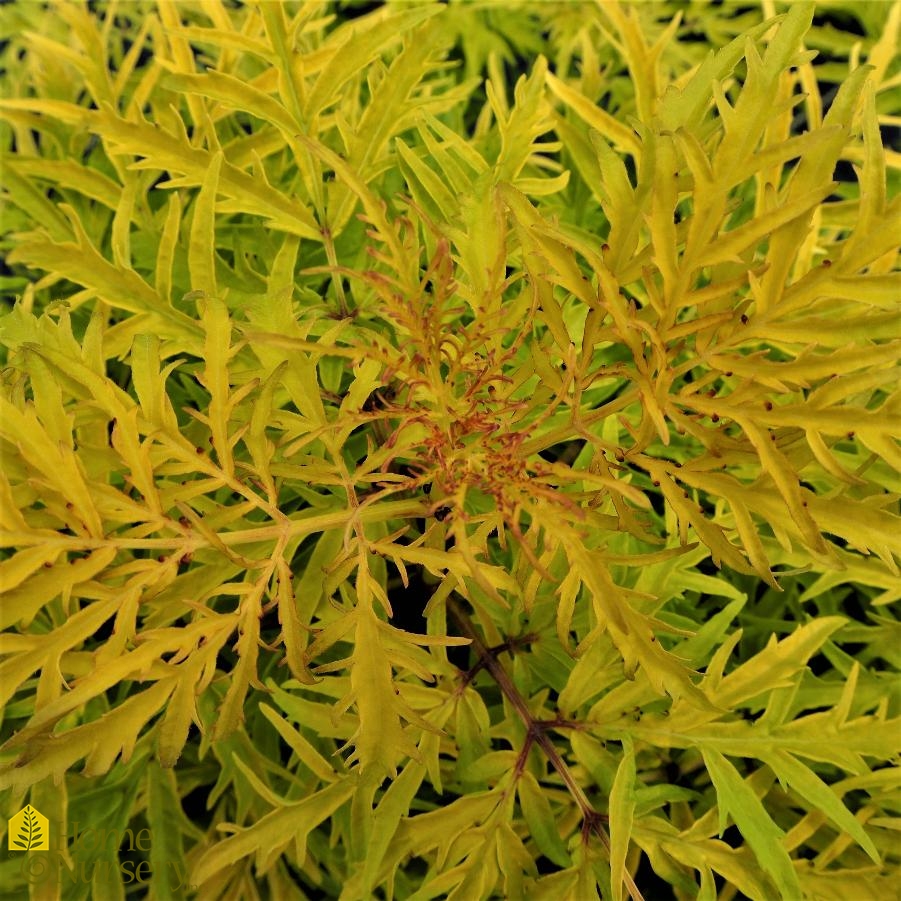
pixel 201 247
pixel 390 110
pixel 736 799
pixel 22 602
pixel 234 93
pixel 181 710
pixel 804 781
pixel 60 467
pixel 217 351
pixel 113 672
pixel 169 152
pixel 291 823
pixel 508 399
pixel 429 188
pixel 29 654
pixel 540 819
pixel 304 750
pixel 740 869
pixel 593 115
pixel 81 263
pixel 244 674
pixel 367 44
pixel 150 383
pixel 513 860
pixel 165 821
pixel 386 818
pixel 380 739
pixel 25 563
pixel 775 664
pixel 98 743
pixel 622 812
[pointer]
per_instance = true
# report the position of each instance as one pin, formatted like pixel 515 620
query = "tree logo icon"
pixel 29 830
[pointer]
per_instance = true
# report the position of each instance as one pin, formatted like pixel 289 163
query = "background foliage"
pixel 448 450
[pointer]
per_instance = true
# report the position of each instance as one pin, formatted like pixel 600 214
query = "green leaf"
pixel 737 800
pixel 166 824
pixel 795 775
pixel 540 819
pixel 622 812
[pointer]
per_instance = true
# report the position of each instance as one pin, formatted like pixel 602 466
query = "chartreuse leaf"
pixel 169 152
pixel 540 818
pixel 167 825
pixel 48 401
pixel 201 246
pixel 729 246
pixel 594 116
pixel 23 564
pixel 168 244
pixel 181 710
pixel 57 466
pixel 99 743
pixel 380 739
pixel 622 812
pixel 388 113
pixel 21 602
pixel 277 829
pixel 737 800
pixel 430 189
pixel 631 633
pixel 293 635
pixel 435 831
pixel 94 684
pixel 386 819
pixel 775 665
pixel 30 654
pixel 244 674
pixel 217 351
pixel 320 325
pixel 514 860
pixel 33 202
pixel 368 41
pixel 586 879
pixel 82 263
pixel 801 779
pixel 738 869
pixel 150 383
pixel 236 94
pixel 11 518
pixel 305 752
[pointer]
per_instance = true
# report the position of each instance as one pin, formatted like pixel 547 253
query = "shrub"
pixel 418 489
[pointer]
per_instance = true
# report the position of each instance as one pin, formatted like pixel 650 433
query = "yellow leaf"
pixel 782 473
pixel 380 739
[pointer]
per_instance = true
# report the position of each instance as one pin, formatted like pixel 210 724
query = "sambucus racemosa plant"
pixel 535 453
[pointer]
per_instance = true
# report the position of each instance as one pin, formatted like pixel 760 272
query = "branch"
pixel 536 731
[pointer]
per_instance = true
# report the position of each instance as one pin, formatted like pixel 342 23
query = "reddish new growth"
pixel 479 451
pixel 457 392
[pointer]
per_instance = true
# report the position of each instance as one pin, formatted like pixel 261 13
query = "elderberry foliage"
pixel 450 450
